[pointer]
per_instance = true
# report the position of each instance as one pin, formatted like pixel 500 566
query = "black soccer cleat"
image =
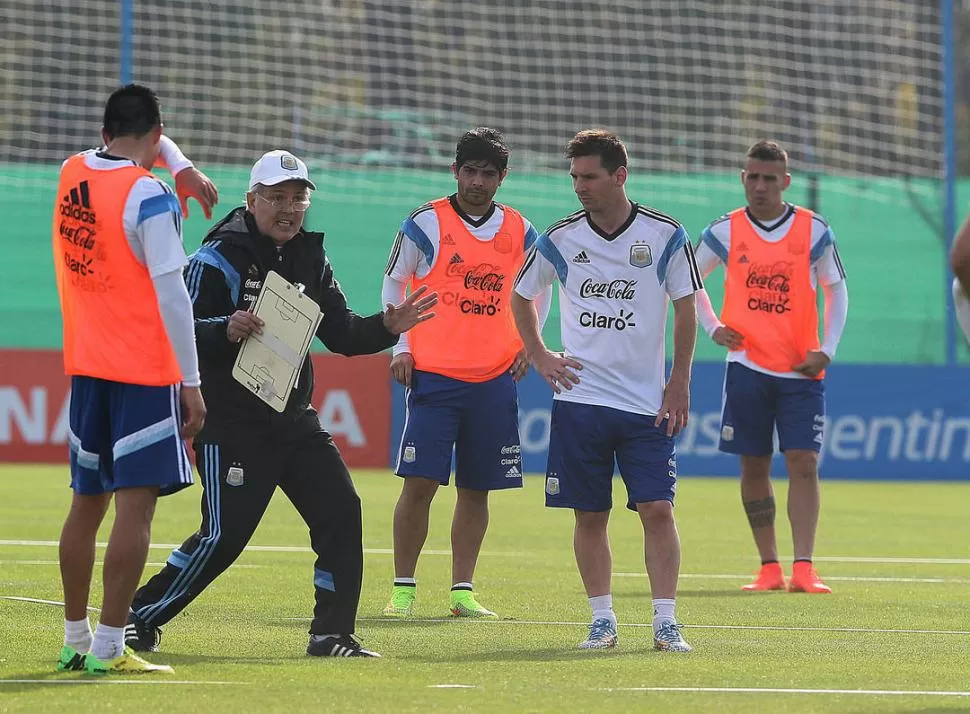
pixel 140 636
pixel 340 646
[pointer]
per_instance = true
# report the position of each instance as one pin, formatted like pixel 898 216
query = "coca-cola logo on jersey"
pixel 769 285
pixel 610 290
pixel 484 281
pixel 485 277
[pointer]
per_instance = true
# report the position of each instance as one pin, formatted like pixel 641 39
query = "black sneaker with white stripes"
pixel 340 646
pixel 141 637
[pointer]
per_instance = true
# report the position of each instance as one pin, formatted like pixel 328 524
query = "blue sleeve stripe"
pixel 417 236
pixel 178 559
pixel 156 205
pixel 551 253
pixel 530 237
pixel 708 239
pixel 819 248
pixel 209 256
pixel 674 243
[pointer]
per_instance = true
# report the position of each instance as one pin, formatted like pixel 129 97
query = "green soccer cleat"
pixel 127 663
pixel 464 604
pixel 402 602
pixel 70 660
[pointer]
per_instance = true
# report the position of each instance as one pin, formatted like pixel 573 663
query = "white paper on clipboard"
pixel 269 364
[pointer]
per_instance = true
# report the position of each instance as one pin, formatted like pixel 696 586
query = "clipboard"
pixel 269 364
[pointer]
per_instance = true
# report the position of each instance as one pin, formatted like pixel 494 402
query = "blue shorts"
pixel 126 436
pixel 478 422
pixel 584 441
pixel 756 403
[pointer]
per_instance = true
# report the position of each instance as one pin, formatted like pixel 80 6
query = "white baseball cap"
pixel 276 167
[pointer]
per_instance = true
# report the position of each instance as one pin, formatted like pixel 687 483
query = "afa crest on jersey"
pixel 640 255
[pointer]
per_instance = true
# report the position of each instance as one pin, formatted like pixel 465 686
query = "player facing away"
pixel 130 351
pixel 775 255
pixel 460 369
pixel 618 265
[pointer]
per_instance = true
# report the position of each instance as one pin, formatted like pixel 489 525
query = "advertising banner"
pixel 351 395
pixel 882 422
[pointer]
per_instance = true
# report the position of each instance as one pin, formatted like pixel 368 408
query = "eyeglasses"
pixel 296 204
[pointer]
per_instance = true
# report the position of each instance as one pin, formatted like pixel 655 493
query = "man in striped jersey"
pixel 247 449
pixel 775 255
pixel 619 264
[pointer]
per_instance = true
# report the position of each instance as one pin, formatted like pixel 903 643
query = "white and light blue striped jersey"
pixel 152 218
pixel 614 292
pixel 715 243
pixel 416 247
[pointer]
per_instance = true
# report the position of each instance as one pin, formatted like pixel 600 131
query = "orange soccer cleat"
pixel 804 579
pixel 770 577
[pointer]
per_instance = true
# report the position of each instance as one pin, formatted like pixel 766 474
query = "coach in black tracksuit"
pixel 246 449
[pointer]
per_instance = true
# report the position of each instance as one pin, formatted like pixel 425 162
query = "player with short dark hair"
pixel 460 370
pixel 775 255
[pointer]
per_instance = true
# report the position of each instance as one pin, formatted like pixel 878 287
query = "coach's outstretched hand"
pixel 192 183
pixel 414 309
pixel 557 370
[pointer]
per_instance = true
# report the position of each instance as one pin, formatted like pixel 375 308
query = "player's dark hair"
pixel 598 142
pixel 482 144
pixel 768 150
pixel 132 110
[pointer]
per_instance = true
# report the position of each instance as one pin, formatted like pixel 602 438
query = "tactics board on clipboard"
pixel 269 364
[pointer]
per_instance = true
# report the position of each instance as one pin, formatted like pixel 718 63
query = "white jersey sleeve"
pixel 824 256
pixel 415 247
pixel 153 226
pixel 678 270
pixel 539 270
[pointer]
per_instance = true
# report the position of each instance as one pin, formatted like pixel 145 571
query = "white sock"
pixel 77 634
pixel 602 606
pixel 462 586
pixel 663 611
pixel 109 642
pixel 405 581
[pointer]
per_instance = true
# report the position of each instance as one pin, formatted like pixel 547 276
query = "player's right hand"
pixel 728 337
pixel 192 183
pixel 556 369
pixel 193 411
pixel 402 367
pixel 242 324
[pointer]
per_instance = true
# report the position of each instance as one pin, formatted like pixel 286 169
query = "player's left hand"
pixel 815 362
pixel 414 309
pixel 192 183
pixel 676 405
pixel 520 366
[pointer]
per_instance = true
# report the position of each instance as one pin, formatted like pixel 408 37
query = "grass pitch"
pixel 895 636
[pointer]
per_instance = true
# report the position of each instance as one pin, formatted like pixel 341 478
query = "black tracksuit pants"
pixel 238 481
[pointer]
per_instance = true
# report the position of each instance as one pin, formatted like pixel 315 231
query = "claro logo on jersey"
pixel 610 290
pixel 469 305
pixel 769 286
pixel 607 322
